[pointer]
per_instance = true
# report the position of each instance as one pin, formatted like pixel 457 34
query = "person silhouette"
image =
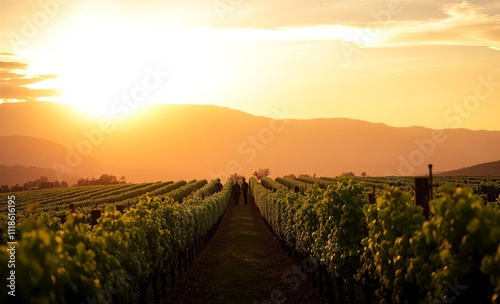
pixel 244 190
pixel 218 186
pixel 236 193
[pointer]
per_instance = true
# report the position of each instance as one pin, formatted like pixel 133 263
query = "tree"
pixel 64 184
pixel 43 179
pixel 236 177
pixel 123 180
pixel 350 174
pixel 363 174
pixel 82 182
pixel 107 179
pixel 17 187
pixel 261 173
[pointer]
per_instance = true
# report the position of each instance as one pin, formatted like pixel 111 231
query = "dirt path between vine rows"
pixel 243 264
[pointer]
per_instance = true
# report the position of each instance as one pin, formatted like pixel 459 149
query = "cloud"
pixel 465 24
pixel 6 65
pixel 14 81
pixel 405 23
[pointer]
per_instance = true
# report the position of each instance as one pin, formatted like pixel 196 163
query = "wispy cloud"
pixel 460 24
pixel 465 24
pixel 14 81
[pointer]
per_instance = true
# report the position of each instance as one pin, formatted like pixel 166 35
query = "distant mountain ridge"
pixel 165 142
pixel 18 175
pixel 485 169
pixel 26 158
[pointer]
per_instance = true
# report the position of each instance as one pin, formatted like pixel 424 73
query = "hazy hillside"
pixel 194 141
pixel 26 158
pixel 491 168
pixel 12 175
pixel 36 152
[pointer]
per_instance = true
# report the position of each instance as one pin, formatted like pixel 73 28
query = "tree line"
pixel 44 183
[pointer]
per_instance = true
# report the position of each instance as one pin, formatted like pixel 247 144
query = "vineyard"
pixel 359 240
pixel 388 251
pixel 124 253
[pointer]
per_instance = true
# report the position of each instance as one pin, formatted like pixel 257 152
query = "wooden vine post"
pixel 423 192
pixel 430 182
pixel 95 215
pixel 119 208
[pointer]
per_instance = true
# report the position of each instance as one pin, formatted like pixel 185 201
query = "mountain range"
pixel 168 142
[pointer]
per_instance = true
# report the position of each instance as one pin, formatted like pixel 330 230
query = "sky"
pixel 403 63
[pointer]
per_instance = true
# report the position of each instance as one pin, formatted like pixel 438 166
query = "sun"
pixel 113 68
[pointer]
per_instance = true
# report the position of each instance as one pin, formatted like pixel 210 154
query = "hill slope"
pixel 490 168
pixel 26 158
pixel 195 141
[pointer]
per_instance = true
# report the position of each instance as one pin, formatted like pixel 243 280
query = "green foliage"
pixel 67 266
pixel 271 184
pixel 343 223
pixel 307 221
pixel 458 245
pixel 106 264
pixel 291 183
pixel 452 257
pixel 392 221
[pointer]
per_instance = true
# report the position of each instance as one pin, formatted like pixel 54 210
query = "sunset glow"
pixel 364 60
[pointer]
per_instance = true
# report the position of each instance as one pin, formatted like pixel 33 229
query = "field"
pixel 348 240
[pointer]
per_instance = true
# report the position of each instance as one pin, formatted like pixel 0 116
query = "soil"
pixel 244 264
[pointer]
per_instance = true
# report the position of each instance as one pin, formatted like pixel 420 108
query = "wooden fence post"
pixel 430 182
pixel 373 198
pixel 120 208
pixel 422 194
pixel 95 215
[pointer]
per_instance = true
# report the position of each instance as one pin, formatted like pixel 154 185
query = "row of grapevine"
pixel 43 196
pixel 387 250
pixel 322 183
pixel 271 184
pixel 114 196
pixel 207 190
pixel 56 213
pixel 118 258
pixel 180 193
pixel 292 183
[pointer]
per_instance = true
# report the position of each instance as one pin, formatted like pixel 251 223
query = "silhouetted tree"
pixel 349 174
pixel 105 179
pixel 123 180
pixel 64 184
pixel 236 177
pixel 261 173
pixel 17 187
pixel 363 174
pixel 82 182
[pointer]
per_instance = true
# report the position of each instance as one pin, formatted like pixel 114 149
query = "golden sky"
pixel 428 63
